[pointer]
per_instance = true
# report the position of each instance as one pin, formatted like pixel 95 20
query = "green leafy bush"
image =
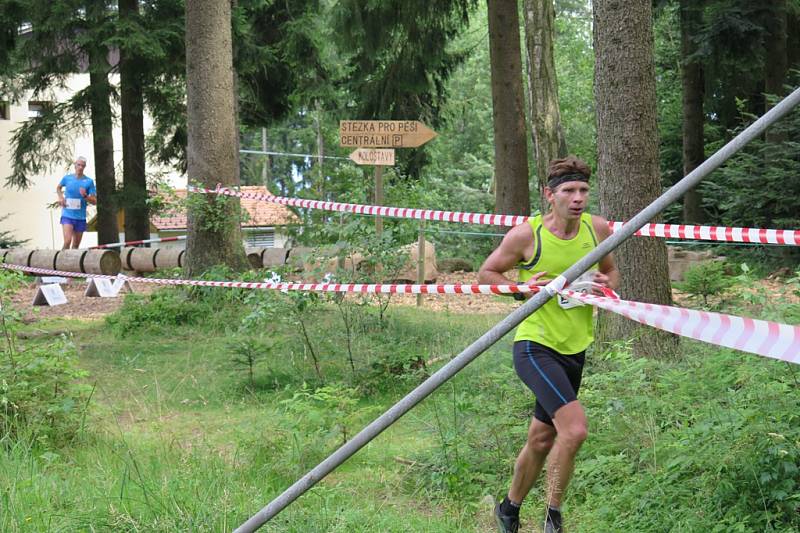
pixel 42 390
pixel 163 308
pixel 706 279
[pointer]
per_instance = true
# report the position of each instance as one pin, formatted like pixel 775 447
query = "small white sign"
pixel 44 280
pixel 50 294
pixel 373 156
pixel 100 287
pixel 73 203
pixel 121 284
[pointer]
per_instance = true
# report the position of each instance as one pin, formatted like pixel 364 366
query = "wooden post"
pixel 378 197
pixel 265 168
pixel 421 259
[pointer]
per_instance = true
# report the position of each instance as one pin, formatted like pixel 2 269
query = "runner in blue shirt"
pixel 74 192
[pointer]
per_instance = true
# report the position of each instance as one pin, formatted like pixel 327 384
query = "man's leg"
pixel 531 459
pixel 67 231
pixel 76 238
pixel 571 427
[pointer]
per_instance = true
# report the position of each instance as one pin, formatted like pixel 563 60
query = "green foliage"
pixel 248 352
pixel 707 442
pixel 706 279
pixel 163 310
pixel 754 189
pixel 325 412
pixel 712 446
pixel 43 396
pixel 390 73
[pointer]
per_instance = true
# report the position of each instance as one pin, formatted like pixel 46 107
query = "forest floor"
pixel 178 436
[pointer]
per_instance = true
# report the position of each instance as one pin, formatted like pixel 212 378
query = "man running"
pixel 550 345
pixel 74 192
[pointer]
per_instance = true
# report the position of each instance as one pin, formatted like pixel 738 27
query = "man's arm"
pixel 505 257
pixel 60 193
pixel 510 252
pixel 89 194
pixel 608 274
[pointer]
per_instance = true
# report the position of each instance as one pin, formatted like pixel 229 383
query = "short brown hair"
pixel 568 165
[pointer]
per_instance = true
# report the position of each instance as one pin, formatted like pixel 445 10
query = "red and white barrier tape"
pixel 363 288
pixel 770 339
pixel 717 233
pixel 672 231
pixel 135 243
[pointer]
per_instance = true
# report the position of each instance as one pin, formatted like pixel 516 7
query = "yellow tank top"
pixel 567 331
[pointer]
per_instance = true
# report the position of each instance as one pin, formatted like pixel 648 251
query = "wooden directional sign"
pixel 373 156
pixel 384 133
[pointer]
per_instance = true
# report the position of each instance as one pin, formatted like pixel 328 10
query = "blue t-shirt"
pixel 76 204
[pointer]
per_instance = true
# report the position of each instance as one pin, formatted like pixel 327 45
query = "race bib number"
pixel 73 203
pixel 583 284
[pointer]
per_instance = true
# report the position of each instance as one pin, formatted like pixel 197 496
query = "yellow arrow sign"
pixel 373 156
pixel 384 133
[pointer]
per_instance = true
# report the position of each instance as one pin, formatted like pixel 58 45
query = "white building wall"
pixel 30 218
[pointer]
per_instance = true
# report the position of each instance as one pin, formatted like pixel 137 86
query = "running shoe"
pixel 506 523
pixel 553 524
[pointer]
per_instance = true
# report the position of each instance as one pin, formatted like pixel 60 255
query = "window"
pixel 260 238
pixel 37 109
pixel 5 112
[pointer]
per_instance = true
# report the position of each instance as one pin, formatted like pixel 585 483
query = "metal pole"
pixel 265 168
pixel 420 259
pixel 512 320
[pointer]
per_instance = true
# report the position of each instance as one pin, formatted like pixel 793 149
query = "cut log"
pixel 18 256
pixel 44 259
pixel 70 260
pixel 168 258
pixel 142 259
pixel 105 262
pixel 254 257
pixel 125 257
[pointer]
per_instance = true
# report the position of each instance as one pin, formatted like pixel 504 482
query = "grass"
pixel 178 439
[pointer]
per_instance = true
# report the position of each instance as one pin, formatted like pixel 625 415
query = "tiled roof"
pixel 261 213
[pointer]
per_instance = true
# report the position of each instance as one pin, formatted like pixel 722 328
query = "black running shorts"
pixel 554 378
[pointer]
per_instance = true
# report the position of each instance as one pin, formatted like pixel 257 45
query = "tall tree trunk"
pixel 548 135
pixel 793 38
pixel 627 160
pixel 102 133
pixel 693 79
pixel 512 193
pixel 214 232
pixel 134 178
pixel 320 149
pixel 775 50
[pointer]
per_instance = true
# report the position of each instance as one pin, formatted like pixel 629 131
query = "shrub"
pixel 706 279
pixel 163 308
pixel 42 393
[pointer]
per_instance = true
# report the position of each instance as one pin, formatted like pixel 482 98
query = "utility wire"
pixel 290 154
